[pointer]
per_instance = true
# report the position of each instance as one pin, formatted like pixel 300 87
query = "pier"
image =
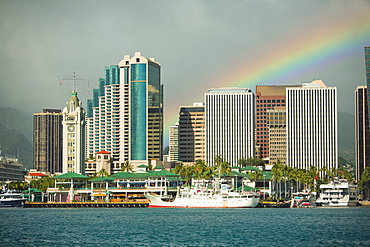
pixel 86 204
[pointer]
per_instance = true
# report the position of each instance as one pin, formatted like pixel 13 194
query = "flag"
pixel 60 82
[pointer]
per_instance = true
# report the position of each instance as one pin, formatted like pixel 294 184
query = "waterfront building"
pixel 125 116
pixel 73 136
pixel 11 169
pixel 47 141
pixel 311 113
pixel 34 174
pixel 229 124
pixel 276 122
pixel 191 133
pixel 267 98
pixel 174 143
pixel 102 160
pixel 362 140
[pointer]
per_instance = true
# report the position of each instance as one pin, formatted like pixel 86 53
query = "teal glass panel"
pixel 125 75
pixel 154 87
pixel 138 72
pixel 89 111
pixel 95 98
pixel 138 120
pixel 101 87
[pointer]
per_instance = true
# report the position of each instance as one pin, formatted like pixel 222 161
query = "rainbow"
pixel 286 60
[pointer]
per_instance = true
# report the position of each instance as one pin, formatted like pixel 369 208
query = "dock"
pixel 86 205
pixel 268 204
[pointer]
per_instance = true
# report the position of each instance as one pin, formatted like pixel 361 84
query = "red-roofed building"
pixel 34 174
pixel 102 160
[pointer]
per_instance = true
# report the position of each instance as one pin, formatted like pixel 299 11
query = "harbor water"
pixel 185 227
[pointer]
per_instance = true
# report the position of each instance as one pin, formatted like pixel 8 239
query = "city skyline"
pixel 257 42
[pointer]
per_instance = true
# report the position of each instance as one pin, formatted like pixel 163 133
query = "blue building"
pixel 125 115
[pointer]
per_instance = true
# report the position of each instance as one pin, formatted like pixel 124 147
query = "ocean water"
pixel 184 227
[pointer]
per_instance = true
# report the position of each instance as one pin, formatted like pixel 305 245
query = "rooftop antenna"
pixel 73 82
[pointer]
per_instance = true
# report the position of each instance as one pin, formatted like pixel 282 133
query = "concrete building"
pixel 125 116
pixel 10 169
pixel 276 122
pixel 174 143
pixel 230 124
pixel 47 141
pixel 102 160
pixel 362 138
pixel 74 136
pixel 311 113
pixel 267 98
pixel 191 133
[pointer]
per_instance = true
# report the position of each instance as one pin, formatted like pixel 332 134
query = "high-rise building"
pixel 230 124
pixel 74 136
pixel 174 143
pixel 311 113
pixel 47 141
pixel 191 133
pixel 367 67
pixel 362 142
pixel 267 97
pixel 125 116
pixel 276 122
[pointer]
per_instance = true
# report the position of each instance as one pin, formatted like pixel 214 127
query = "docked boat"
pixel 11 200
pixel 200 197
pixel 338 193
pixel 304 199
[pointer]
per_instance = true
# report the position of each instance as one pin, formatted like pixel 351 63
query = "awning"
pixel 100 194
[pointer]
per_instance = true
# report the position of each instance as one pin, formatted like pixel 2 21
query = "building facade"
pixel 192 133
pixel 74 136
pixel 230 124
pixel 47 141
pixel 174 143
pixel 276 122
pixel 267 98
pixel 367 67
pixel 125 116
pixel 311 113
pixel 362 139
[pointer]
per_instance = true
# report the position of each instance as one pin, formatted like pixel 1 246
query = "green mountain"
pixel 346 136
pixel 16 144
pixel 19 121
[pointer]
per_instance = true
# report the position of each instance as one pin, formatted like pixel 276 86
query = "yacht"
pixel 338 193
pixel 201 197
pixel 304 199
pixel 10 199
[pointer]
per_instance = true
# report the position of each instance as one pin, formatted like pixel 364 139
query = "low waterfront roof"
pixel 102 179
pixel 246 188
pixel 144 175
pixel 32 190
pixel 252 168
pixel 70 175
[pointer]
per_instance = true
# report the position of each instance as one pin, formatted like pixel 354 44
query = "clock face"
pixel 71 128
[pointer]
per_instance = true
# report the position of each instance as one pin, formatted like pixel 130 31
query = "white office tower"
pixel 230 124
pixel 73 136
pixel 312 126
pixel 125 116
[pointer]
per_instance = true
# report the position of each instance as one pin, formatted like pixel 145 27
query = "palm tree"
pixel 364 183
pixel 126 166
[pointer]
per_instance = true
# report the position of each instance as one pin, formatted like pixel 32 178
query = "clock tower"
pixel 74 136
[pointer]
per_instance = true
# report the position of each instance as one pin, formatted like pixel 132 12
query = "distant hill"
pixel 14 143
pixel 346 136
pixel 16 120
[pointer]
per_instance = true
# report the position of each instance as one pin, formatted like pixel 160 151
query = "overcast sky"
pixel 199 44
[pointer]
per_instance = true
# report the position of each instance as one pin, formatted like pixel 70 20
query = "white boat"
pixel 304 199
pixel 338 193
pixel 199 197
pixel 11 200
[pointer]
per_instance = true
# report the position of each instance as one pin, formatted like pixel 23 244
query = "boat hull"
pixel 156 202
pixel 12 203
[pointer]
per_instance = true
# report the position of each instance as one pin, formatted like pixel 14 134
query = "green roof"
pixel 34 190
pixel 252 168
pixel 143 166
pixel 71 175
pixel 233 174
pixel 247 188
pixel 162 173
pixel 102 179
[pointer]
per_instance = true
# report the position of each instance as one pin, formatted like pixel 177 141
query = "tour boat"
pixel 304 199
pixel 338 193
pixel 11 200
pixel 199 197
